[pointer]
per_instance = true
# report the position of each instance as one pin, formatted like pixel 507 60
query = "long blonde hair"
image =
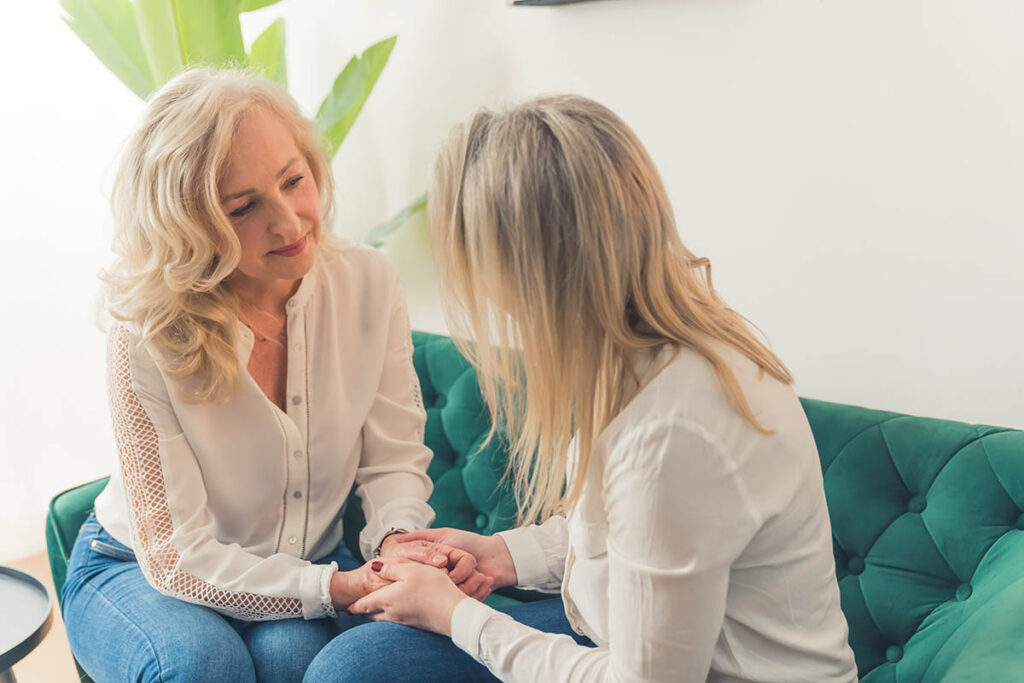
pixel 558 250
pixel 175 246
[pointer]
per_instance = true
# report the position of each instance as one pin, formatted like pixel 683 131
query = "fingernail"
pixel 440 558
pixel 377 566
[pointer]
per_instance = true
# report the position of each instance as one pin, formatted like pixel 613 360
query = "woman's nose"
pixel 285 221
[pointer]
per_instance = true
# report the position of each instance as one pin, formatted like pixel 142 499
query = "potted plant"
pixel 146 42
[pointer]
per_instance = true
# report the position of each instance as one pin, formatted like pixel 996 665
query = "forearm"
pixel 516 652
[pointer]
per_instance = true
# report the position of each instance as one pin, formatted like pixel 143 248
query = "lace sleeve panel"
pixel 148 509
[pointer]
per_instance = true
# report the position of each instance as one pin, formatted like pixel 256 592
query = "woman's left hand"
pixel 461 565
pixel 421 596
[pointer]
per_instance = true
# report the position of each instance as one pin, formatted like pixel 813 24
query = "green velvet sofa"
pixel 927 523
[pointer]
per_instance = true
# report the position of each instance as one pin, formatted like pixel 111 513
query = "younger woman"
pixel 658 438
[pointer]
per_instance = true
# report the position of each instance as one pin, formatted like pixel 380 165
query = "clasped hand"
pixel 424 593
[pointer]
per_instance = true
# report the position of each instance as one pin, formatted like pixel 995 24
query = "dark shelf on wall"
pixel 545 2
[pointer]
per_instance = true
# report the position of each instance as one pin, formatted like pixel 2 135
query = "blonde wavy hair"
pixel 174 244
pixel 560 256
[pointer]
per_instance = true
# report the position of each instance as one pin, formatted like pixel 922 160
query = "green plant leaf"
pixel 159 34
pixel 209 32
pixel 250 5
pixel 349 93
pixel 380 234
pixel 267 53
pixel 107 27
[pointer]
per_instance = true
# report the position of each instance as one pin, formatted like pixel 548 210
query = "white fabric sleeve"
pixel 538 553
pixel 172 530
pixel 678 518
pixel 392 481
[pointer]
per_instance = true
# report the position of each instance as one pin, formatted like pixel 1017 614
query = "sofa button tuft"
pixel 441 401
pixel 1020 522
pixel 963 591
pixel 855 565
pixel 481 521
pixel 917 504
pixel 893 653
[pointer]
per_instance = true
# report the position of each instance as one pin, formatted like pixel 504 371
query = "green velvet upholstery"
pixel 928 535
pixel 926 516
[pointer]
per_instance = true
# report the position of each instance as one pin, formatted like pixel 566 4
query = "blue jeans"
pixel 382 651
pixel 122 629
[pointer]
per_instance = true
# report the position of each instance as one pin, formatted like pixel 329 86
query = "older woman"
pixel 656 436
pixel 257 371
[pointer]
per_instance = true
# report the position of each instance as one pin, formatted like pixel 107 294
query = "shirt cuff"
pixel 409 514
pixel 468 621
pixel 527 556
pixel 315 590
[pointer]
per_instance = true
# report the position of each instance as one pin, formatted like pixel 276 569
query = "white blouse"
pixel 700 550
pixel 227 505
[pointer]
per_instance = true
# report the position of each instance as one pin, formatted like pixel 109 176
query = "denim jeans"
pixel 382 651
pixel 122 629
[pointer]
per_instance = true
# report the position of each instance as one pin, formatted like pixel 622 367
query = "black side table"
pixel 27 612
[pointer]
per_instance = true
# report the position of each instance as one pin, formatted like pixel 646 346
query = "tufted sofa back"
pixel 467 475
pixel 926 518
pixel 928 536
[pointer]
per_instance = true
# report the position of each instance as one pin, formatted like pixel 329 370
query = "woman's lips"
pixel 293 249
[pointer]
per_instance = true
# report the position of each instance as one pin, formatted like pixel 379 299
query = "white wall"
pixel 854 169
pixel 62 120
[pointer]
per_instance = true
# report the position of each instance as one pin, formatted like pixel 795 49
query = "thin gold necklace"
pixel 262 336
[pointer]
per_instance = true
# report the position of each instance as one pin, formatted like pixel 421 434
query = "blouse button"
pixel 297 454
pixel 297 494
pixel 293 540
pixel 296 400
pixel 293 303
pixel 297 348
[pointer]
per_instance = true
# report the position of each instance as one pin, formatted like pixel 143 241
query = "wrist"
pixel 506 574
pixel 343 593
pixel 447 613
pixel 388 538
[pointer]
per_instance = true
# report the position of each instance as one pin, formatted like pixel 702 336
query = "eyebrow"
pixel 236 195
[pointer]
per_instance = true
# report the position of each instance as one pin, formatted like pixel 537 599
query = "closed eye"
pixel 242 210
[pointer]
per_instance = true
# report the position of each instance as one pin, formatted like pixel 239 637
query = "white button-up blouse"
pixel 227 505
pixel 700 549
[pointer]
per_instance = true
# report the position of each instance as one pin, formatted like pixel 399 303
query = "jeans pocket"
pixel 117 552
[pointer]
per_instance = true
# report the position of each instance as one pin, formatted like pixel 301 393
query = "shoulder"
pixel 687 388
pixel 125 345
pixel 360 260
pixel 652 440
pixel 132 364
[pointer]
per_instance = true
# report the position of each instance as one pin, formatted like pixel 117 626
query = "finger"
pixel 368 604
pixel 396 569
pixel 464 566
pixel 425 554
pixel 485 589
pixel 430 535
pixel 471 586
pixel 374 602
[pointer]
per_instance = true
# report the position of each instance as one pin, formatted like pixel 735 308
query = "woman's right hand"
pixel 492 556
pixel 347 587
